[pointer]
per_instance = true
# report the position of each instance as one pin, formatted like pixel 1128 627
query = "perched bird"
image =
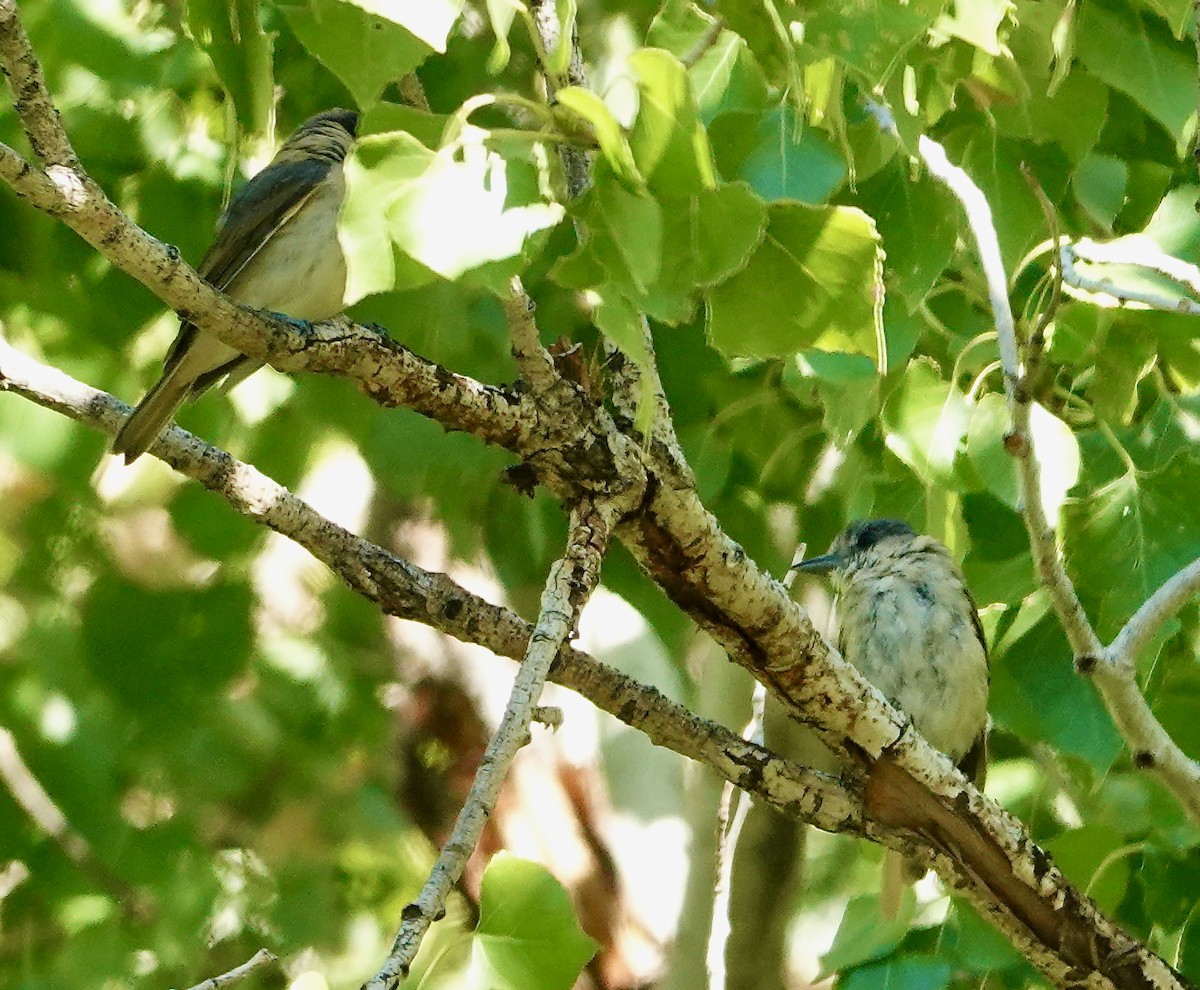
pixel 906 620
pixel 277 249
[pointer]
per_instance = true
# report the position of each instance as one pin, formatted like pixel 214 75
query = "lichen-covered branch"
pixel 31 99
pixel 569 586
pixel 1152 747
pixel 406 591
pixel 261 958
pixel 578 451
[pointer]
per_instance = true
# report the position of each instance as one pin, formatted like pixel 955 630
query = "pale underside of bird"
pixel 276 249
pixel 905 619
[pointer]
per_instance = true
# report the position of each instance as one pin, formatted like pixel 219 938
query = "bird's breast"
pixel 301 270
pixel 914 639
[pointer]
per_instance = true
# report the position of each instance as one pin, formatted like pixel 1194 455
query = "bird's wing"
pixel 974 764
pixel 978 626
pixel 255 214
pixel 261 207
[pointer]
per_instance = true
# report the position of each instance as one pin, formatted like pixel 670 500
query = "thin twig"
pixel 401 589
pixel 568 587
pixel 1151 746
pixel 1140 252
pixel 261 958
pixel 31 99
pixel 1176 592
pixel 729 830
pixel 535 362
pixel 1180 272
pixel 29 794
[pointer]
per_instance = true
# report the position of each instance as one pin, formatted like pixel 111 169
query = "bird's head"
pixel 855 541
pixel 327 135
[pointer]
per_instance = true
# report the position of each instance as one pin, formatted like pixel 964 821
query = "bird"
pixel 276 248
pixel 906 620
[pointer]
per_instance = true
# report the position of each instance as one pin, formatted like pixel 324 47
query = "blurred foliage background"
pixel 267 762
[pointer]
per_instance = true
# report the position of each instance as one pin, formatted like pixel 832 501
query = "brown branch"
pixel 403 590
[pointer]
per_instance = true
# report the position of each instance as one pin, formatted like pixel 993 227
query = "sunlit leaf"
pixel 365 49
pixel 812 282
pixel 527 934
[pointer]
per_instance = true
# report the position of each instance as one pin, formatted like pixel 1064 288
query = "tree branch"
pixel 403 590
pixel 537 367
pixel 569 586
pixel 1164 604
pixel 1152 748
pixel 261 958
pixel 31 99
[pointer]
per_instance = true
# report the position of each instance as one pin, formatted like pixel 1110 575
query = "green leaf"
pixel 870 38
pixel 430 20
pixel 1054 445
pixel 1034 682
pixel 231 34
pixel 1177 13
pixel 659 259
pixel 1145 526
pixel 559 60
pixel 778 156
pixel 726 75
pixel 761 25
pixel 668 140
pixel 1099 185
pixel 365 50
pixel 812 282
pixel 911 973
pixel 1081 852
pixel 449 212
pixel 527 935
pixel 384 117
pixel 864 934
pixel 500 16
pixel 609 135
pixel 977 23
pixel 705 240
pixel 900 205
pixel 374 173
pixel 1135 54
pixel 975 944
pixel 619 320
pixel 925 418
pixel 1071 115
pixel 625 233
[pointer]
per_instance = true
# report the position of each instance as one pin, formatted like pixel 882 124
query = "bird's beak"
pixel 820 565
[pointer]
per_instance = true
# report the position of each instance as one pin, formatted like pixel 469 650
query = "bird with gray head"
pixel 277 249
pixel 906 620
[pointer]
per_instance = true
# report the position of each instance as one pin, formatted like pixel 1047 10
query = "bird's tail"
pixel 898 875
pixel 152 415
